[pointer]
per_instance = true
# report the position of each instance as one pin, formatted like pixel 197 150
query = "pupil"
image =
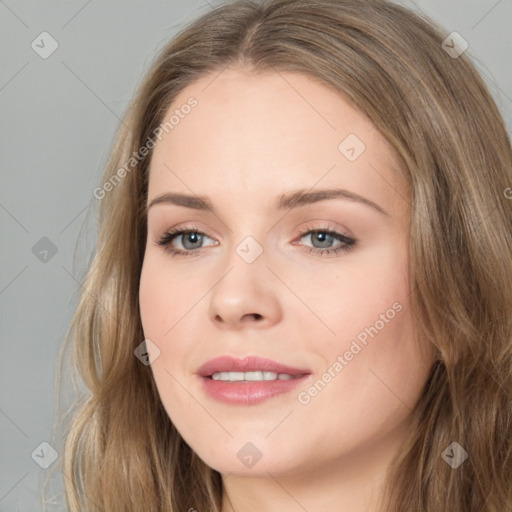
pixel 322 236
pixel 194 235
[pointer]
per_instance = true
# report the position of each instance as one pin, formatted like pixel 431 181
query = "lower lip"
pixel 248 393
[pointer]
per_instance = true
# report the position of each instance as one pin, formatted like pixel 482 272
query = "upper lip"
pixel 247 364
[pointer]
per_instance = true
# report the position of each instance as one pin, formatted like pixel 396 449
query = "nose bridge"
pixel 250 250
pixel 248 234
pixel 245 261
pixel 244 291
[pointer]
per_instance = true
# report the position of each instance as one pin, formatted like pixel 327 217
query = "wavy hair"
pixel 122 453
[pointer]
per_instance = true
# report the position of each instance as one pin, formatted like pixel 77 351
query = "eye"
pixel 325 236
pixel 192 240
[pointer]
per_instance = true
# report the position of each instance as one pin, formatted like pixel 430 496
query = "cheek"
pixel 160 305
pixel 367 308
pixel 169 303
pixel 366 388
pixel 360 290
pixel 157 300
pixel 152 300
pixel 382 369
pixel 163 299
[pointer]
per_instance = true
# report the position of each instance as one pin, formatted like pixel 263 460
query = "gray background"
pixel 58 119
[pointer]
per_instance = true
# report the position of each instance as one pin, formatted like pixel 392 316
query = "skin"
pixel 250 139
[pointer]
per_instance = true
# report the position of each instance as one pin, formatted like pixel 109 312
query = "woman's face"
pixel 274 282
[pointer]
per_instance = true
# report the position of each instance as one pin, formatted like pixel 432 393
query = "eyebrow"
pixel 291 200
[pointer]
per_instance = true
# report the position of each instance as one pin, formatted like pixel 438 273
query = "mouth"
pixel 248 381
pixel 249 392
pixel 253 376
pixel 250 368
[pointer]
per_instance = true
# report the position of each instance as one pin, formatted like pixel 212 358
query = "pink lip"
pixel 247 393
pixel 247 364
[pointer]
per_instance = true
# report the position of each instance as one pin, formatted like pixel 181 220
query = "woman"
pixel 339 338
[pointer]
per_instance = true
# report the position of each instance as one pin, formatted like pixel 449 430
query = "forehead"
pixel 253 136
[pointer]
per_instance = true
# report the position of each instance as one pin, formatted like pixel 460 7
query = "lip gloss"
pixel 248 393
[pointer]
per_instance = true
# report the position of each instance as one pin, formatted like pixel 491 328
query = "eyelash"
pixel 169 236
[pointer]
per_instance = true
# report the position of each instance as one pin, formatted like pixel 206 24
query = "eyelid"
pixel 303 230
pixel 177 231
pixel 347 241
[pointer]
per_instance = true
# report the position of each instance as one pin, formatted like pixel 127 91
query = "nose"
pixel 245 296
pixel 232 318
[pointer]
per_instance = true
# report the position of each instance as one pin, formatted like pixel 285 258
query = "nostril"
pixel 255 316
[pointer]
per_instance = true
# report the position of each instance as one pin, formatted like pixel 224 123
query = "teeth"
pixel 250 376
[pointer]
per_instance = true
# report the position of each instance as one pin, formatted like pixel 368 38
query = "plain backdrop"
pixel 58 119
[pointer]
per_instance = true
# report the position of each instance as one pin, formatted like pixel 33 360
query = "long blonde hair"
pixel 121 451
